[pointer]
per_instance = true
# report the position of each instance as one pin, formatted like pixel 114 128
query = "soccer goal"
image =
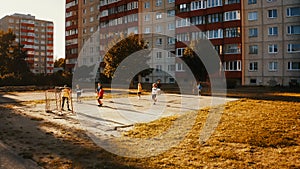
pixel 54 101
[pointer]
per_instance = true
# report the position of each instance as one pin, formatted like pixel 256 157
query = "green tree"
pixel 122 49
pixel 194 62
pixel 12 57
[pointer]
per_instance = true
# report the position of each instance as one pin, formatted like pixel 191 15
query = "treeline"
pixel 59 78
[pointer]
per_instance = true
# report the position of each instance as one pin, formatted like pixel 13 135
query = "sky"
pixel 50 10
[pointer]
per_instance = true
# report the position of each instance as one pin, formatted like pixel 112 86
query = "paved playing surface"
pixel 115 113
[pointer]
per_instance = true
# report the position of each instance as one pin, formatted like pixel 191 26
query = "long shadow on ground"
pixel 70 149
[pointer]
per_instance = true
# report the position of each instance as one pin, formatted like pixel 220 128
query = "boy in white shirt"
pixel 155 92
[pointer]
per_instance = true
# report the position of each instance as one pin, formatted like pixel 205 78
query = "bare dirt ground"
pixel 262 130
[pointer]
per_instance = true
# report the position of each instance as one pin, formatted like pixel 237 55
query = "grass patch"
pixel 152 129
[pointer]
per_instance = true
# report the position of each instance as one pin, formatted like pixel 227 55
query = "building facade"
pixel 157 28
pixel 257 41
pixel 220 22
pixel 36 36
pixel 71 33
pixel 271 42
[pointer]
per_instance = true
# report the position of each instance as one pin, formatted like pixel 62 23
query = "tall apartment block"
pixel 271 42
pixel 36 36
pixel 72 28
pixel 82 23
pixel 157 28
pixel 117 18
pixel 220 22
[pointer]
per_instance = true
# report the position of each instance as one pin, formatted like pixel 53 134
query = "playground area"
pixel 257 130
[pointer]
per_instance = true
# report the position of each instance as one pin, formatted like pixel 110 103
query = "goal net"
pixel 54 101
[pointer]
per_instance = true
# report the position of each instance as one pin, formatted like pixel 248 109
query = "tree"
pixel 12 57
pixel 59 63
pixel 194 62
pixel 121 50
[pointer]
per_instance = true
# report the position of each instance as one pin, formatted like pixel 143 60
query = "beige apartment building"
pixel 37 37
pixel 157 28
pixel 271 42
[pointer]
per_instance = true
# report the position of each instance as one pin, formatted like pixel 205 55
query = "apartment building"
pixel 157 27
pixel 271 42
pixel 257 41
pixel 71 34
pixel 37 37
pixel 220 22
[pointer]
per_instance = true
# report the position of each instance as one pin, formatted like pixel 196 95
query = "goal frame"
pixel 53 100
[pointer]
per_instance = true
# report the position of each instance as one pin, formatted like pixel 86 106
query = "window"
pixel 183 37
pixel 252 16
pixel 147 5
pixel 232 48
pixel 91 19
pixel 273 66
pixel 293 48
pixel 159 41
pixel 198 20
pixel 253 81
pixel 179 52
pixel 232 32
pixel 232 65
pixel 171 1
pixel 182 22
pixel 273 31
pixel 171 40
pixel 196 5
pixel 293 65
pixel 294 29
pixel 253 66
pixel 213 3
pixel 232 15
pixel 253 32
pixel 253 49
pixel 251 2
pixel 171 67
pixel 219 48
pixel 198 35
pixel 213 18
pixel 227 2
pixel 158 15
pixel 170 13
pixel 158 28
pixel 171 26
pixel 272 13
pixel 171 80
pixel 179 67
pixel 147 30
pixel 214 34
pixel 273 48
pixel 158 68
pixel 92 9
pixel 158 2
pixel 158 55
pixel 183 8
pixel 294 11
pixel 147 17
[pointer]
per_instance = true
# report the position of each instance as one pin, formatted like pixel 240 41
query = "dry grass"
pixel 251 134
pixel 152 129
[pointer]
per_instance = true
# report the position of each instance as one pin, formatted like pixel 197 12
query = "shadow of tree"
pixel 53 145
